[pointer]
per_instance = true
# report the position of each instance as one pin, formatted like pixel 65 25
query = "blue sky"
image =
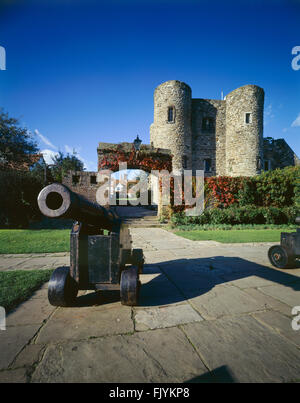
pixel 81 72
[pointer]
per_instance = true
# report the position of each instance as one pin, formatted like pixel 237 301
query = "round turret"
pixel 244 131
pixel 172 122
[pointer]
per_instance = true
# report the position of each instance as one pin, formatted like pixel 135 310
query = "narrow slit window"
pixel 259 163
pixel 93 180
pixel 208 124
pixel 207 165
pixel 267 165
pixel 171 114
pixel 248 118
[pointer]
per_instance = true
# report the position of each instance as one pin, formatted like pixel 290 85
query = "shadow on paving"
pixel 177 280
pixel 218 375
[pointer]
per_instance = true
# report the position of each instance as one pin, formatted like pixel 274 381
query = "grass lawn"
pixel 34 241
pixel 234 236
pixel 17 286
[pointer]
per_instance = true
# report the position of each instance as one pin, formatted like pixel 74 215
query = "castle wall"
pixel 279 154
pixel 231 144
pixel 208 144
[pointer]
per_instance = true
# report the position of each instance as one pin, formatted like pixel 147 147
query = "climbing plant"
pixel 145 160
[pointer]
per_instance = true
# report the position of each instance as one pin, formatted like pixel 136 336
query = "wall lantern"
pixel 137 143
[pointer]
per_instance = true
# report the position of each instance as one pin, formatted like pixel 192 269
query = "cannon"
pixel 285 255
pixel 101 254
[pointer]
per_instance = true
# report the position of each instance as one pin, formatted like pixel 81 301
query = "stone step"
pixel 136 223
pixel 158 225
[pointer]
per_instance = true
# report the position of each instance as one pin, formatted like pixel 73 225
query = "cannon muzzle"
pixel 57 201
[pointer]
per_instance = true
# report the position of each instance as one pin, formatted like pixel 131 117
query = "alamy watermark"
pixel 296 319
pixel 2 58
pixel 187 190
pixel 2 318
pixel 296 59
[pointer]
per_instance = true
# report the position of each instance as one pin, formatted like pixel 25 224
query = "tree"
pixel 15 142
pixel 64 163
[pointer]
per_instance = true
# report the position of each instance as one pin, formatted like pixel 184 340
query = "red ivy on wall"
pixel 221 191
pixel 135 160
pixel 224 189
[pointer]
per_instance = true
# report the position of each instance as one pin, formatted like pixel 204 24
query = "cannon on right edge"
pixel 285 255
pixel 98 260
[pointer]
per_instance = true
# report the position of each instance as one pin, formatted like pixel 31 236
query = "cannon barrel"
pixel 57 201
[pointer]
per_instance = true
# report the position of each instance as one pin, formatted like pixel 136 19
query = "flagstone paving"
pixel 208 312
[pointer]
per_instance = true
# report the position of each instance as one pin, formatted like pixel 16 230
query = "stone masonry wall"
pixel 85 185
pixel 208 144
pixel 175 135
pixel 279 154
pixel 244 141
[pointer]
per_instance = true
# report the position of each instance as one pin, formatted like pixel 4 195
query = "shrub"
pixel 225 189
pixel 18 198
pixel 277 188
pixel 239 215
pixel 247 194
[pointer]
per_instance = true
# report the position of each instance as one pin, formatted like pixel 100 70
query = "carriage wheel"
pixel 129 286
pixel 62 288
pixel 279 257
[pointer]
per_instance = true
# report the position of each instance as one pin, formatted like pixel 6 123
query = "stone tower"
pixel 221 137
pixel 244 131
pixel 171 128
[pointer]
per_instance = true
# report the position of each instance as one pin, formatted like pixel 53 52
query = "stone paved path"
pixel 30 261
pixel 208 312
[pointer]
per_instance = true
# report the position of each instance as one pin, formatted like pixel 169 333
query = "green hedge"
pixel 250 214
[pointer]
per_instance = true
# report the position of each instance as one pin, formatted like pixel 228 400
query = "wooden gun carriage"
pixel 101 254
pixel 285 255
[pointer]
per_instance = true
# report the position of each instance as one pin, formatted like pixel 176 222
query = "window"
pixel 267 165
pixel 258 163
pixel 75 179
pixel 207 165
pixel 184 162
pixel 93 180
pixel 247 118
pixel 171 114
pixel 208 124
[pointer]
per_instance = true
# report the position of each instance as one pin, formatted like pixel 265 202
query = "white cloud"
pixel 284 130
pixel 48 154
pixel 296 122
pixel 44 139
